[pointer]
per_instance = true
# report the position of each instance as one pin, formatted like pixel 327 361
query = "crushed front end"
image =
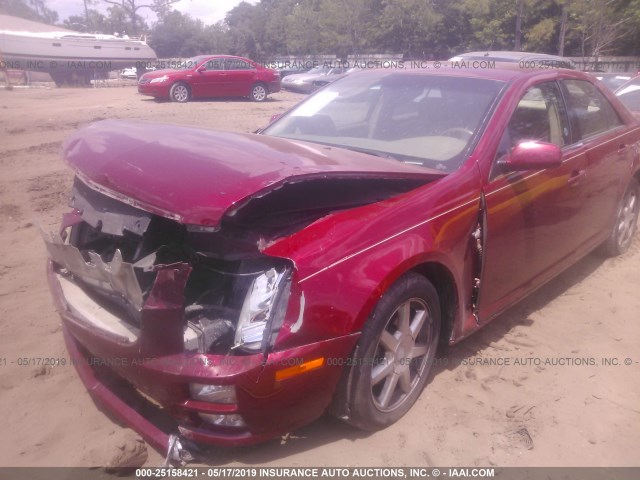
pixel 185 274
pixel 173 327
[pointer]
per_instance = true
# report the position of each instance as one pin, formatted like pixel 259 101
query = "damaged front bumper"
pixel 270 398
pixel 175 332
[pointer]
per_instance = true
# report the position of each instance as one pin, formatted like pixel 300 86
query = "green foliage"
pixel 178 35
pixel 540 37
pixel 601 27
pixel 303 28
pixel 407 26
pixel 427 29
pixel 36 10
pixel 131 8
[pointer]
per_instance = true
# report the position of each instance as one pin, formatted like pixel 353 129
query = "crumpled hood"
pixel 195 176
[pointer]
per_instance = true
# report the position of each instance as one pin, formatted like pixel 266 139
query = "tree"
pixel 599 27
pixel 304 24
pixel 519 11
pixel 246 26
pixel 541 25
pixel 87 3
pixel 276 27
pixel 344 24
pixel 36 10
pixel 177 35
pixel 564 16
pixel 131 9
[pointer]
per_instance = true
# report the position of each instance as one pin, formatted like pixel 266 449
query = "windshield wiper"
pixel 375 153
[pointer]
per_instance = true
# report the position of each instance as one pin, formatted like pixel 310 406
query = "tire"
pixel 179 92
pixel 626 223
pixel 386 377
pixel 259 92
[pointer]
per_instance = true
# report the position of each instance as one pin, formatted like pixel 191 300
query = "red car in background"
pixel 247 283
pixel 209 76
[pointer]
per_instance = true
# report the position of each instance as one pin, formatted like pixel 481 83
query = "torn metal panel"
pixel 179 451
pixel 106 214
pixel 83 306
pixel 299 201
pixel 116 276
pixel 478 237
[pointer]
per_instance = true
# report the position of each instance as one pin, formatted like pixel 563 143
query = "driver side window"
pixel 540 116
pixel 215 64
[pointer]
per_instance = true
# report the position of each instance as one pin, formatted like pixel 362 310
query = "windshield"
pixel 427 120
pixel 317 70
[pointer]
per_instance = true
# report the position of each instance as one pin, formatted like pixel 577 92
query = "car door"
pixel 240 76
pixel 209 80
pixel 609 153
pixel 533 218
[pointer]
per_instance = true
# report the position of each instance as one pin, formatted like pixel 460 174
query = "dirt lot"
pixel 559 406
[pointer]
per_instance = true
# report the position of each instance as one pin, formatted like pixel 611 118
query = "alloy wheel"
pixel 401 355
pixel 627 220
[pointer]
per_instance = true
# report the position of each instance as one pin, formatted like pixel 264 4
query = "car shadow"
pixel 328 429
pixel 519 314
pixel 325 430
pixel 213 100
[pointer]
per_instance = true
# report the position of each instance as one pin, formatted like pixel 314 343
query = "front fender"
pixel 346 261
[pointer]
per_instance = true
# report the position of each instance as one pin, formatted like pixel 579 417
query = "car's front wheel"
pixel 258 92
pixel 626 222
pixel 394 355
pixel 179 92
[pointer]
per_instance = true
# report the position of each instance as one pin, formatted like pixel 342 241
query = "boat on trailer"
pixel 68 56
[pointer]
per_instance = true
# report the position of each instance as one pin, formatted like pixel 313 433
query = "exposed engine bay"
pixel 234 297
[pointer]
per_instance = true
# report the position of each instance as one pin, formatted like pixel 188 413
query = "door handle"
pixel 622 148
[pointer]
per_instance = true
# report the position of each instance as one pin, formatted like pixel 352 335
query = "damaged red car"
pixel 225 288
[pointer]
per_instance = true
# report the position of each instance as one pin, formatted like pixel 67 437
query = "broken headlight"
pixel 263 310
pixel 213 393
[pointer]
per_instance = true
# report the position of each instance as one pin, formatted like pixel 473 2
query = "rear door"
pixel 605 138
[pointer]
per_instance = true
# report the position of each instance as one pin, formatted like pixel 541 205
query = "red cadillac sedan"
pixel 243 284
pixel 210 76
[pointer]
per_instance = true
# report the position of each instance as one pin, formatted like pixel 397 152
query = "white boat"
pixel 68 55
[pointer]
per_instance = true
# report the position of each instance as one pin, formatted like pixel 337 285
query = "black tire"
pixel 394 355
pixel 626 223
pixel 179 92
pixel 259 92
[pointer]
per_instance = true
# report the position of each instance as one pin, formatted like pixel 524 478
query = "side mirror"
pixel 201 69
pixel 532 155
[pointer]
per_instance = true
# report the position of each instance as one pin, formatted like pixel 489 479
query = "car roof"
pixel 509 55
pixel 629 85
pixel 503 71
pixel 208 57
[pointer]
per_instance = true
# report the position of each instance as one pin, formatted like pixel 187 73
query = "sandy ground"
pixel 533 413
